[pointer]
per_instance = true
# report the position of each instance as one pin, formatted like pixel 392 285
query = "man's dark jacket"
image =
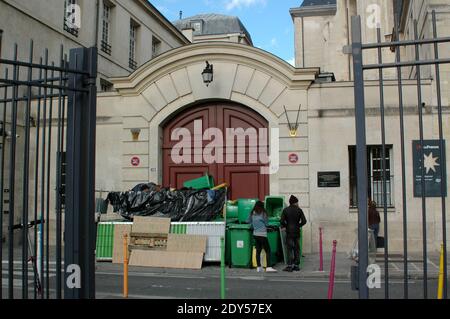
pixel 292 219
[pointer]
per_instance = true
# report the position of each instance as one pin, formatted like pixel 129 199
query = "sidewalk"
pixel 310 269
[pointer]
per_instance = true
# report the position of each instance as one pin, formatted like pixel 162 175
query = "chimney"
pixel 188 33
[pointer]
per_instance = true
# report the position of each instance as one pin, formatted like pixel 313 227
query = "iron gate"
pixel 358 49
pixel 48 114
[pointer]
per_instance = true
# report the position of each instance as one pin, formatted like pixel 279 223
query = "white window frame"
pixel 71 30
pixel 377 185
pixel 133 44
pixel 106 28
pixel 156 46
pixel 106 23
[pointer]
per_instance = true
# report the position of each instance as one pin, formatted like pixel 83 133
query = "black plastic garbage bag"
pixel 180 205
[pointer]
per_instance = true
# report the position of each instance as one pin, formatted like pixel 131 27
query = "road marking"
pixel 308 281
pixel 414 265
pixel 395 266
pixel 251 278
pixel 429 261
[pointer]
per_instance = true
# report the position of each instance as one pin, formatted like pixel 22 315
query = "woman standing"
pixel 374 218
pixel 259 221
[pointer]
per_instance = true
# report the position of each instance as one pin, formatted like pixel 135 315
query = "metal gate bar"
pixel 383 168
pixel 441 151
pixel 359 69
pixel 53 82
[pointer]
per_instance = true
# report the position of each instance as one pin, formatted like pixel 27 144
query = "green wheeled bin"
pixel 241 244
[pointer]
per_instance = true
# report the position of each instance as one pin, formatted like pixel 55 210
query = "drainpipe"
pixel 303 42
pixel 347 13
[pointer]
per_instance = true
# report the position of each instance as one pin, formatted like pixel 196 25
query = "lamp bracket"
pixel 293 127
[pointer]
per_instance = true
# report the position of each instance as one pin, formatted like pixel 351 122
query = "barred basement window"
pixel 105 86
pixel 374 175
pixel 71 17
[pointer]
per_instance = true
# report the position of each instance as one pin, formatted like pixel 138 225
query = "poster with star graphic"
pixel 433 166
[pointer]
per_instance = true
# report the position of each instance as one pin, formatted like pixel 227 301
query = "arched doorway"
pixel 245 179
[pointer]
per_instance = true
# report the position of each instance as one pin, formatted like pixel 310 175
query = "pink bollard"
pixel 320 250
pixel 332 271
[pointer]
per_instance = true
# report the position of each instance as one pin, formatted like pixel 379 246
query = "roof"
pixel 159 16
pixel 214 24
pixel 318 3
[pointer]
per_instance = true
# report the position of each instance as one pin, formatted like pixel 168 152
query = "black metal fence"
pixel 358 49
pixel 47 117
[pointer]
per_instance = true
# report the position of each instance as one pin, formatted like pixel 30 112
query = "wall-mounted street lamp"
pixel 293 127
pixel 208 74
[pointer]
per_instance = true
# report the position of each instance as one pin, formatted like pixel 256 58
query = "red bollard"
pixel 320 250
pixel 332 271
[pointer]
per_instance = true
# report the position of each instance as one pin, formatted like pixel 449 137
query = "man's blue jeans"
pixel 376 229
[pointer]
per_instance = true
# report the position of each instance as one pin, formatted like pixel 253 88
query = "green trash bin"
pixel 245 208
pixel 241 244
pixel 274 206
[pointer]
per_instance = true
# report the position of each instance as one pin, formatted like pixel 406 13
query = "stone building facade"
pixel 252 82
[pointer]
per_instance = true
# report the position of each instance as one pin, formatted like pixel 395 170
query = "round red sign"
pixel 293 158
pixel 135 161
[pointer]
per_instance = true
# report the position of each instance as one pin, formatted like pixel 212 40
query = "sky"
pixel 268 21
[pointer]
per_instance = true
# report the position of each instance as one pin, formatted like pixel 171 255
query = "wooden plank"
pixel 148 235
pixel 166 259
pixel 119 231
pixel 151 225
pixel 186 243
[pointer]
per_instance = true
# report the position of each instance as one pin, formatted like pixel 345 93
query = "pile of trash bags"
pixel 180 205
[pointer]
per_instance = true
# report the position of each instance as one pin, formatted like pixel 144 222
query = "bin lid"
pixel 274 223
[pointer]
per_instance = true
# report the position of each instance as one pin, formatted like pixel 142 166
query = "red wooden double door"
pixel 244 179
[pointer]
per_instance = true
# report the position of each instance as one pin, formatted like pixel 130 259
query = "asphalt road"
pixel 148 284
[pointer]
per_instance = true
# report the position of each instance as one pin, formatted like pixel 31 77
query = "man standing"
pixel 292 219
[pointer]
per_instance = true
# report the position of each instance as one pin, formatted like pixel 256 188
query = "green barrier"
pixel 104 244
pixel 222 268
